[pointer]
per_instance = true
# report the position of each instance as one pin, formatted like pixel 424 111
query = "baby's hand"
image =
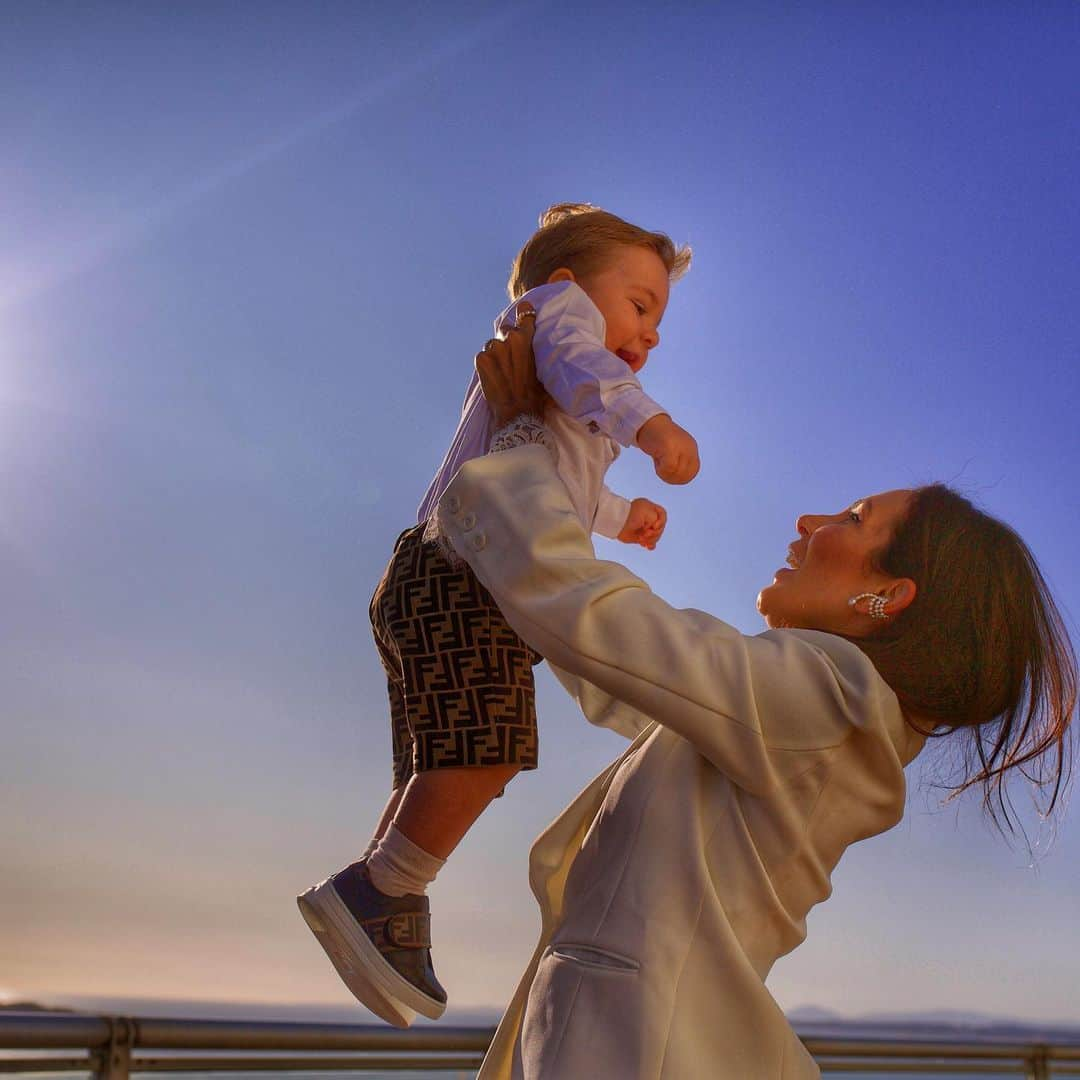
pixel 673 449
pixel 644 524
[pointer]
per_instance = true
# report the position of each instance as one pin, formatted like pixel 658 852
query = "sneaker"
pixel 379 944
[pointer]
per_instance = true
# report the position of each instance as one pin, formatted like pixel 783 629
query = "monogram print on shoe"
pixel 406 930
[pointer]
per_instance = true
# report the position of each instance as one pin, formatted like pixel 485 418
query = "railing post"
pixel 113 1062
pixel 1039 1064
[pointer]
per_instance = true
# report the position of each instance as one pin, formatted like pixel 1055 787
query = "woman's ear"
pixel 899 594
pixel 564 273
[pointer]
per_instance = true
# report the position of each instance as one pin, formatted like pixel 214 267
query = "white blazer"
pixel 674 881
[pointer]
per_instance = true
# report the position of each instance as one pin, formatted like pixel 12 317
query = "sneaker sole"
pixel 352 974
pixel 371 979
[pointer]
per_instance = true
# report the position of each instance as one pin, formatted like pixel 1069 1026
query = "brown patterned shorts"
pixel 460 680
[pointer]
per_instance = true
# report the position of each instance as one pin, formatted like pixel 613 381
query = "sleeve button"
pixel 453 504
pixel 479 542
pixel 468 521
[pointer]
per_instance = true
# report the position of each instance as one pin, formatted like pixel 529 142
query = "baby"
pixel 460 680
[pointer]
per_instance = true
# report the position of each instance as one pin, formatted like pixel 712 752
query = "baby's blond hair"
pixel 580 237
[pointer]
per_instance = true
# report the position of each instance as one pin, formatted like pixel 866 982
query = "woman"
pixel 675 880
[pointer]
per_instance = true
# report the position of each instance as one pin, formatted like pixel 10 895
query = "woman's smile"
pixel 831 561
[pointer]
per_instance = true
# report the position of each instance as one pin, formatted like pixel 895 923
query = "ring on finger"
pixel 490 344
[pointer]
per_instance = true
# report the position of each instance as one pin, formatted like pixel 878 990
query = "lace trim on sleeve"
pixel 521 431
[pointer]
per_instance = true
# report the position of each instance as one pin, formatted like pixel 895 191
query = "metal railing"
pixel 113 1047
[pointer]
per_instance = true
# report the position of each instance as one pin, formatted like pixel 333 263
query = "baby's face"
pixel 631 290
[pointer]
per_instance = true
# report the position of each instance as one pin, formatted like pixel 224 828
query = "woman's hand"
pixel 507 371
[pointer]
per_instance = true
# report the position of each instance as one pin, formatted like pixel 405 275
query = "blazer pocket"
pixel 594 958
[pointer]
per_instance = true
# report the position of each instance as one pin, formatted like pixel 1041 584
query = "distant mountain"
pixel 812 1014
pixel 940 1023
pixel 32 1006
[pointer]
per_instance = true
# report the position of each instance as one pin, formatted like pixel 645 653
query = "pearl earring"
pixel 877 604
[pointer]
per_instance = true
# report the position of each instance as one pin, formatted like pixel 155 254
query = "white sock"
pixel 398 866
pixel 373 843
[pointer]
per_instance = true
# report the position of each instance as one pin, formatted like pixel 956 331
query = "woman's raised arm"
pixel 751 705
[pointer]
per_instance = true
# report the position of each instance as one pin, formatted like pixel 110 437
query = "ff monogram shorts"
pixel 460 680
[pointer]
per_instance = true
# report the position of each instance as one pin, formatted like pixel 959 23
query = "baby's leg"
pixel 400 735
pixel 379 941
pixel 463 723
pixel 387 816
pixel 467 690
pixel 438 808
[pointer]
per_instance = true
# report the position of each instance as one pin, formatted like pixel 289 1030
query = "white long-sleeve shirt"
pixel 601 406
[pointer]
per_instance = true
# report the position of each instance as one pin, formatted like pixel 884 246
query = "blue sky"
pixel 247 252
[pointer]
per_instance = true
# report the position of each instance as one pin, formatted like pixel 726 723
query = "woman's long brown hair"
pixel 982 647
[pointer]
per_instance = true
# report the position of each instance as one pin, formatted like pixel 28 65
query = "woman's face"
pixel 833 561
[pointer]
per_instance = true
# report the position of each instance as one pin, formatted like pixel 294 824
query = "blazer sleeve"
pixel 601 708
pixel 753 706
